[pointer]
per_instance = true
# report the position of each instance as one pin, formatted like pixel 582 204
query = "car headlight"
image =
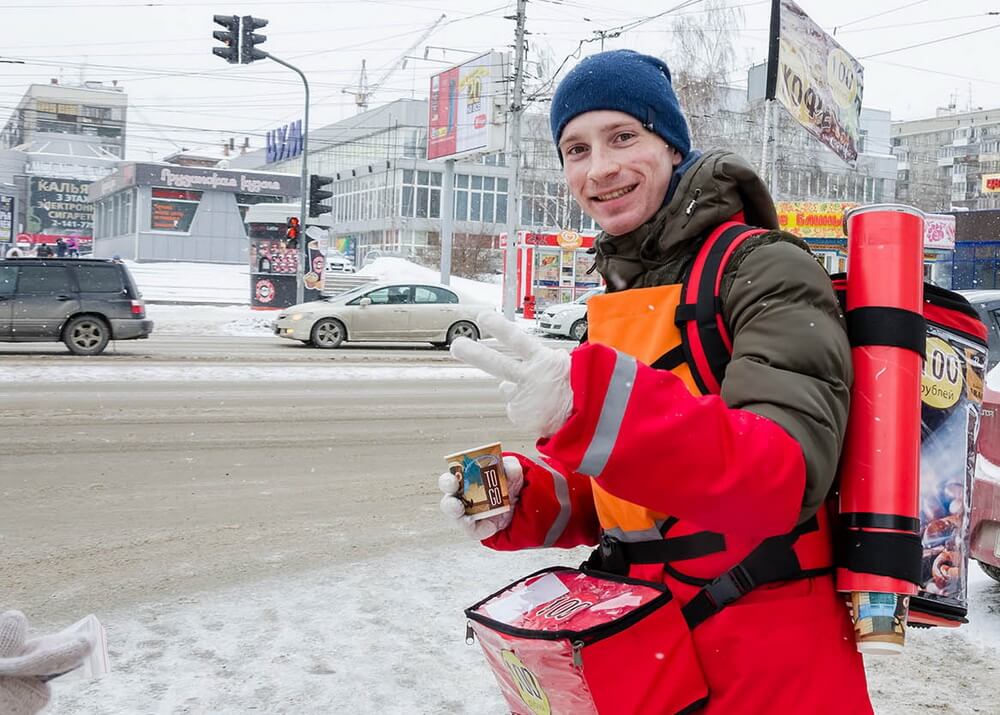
pixel 300 316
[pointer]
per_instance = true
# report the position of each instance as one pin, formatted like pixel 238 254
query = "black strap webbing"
pixel 669 360
pixel 773 560
pixel 707 307
pixel 881 553
pixel 674 548
pixel 871 520
pixel 892 327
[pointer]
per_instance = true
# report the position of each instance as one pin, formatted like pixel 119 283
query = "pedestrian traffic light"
pixel 292 233
pixel 230 38
pixel 248 49
pixel 319 193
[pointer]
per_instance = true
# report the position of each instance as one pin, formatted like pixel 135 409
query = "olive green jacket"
pixel 791 361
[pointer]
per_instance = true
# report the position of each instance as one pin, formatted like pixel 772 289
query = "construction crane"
pixel 365 90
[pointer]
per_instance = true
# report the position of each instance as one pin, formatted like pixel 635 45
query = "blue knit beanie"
pixel 624 81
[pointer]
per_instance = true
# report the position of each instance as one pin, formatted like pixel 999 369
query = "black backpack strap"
pixel 704 335
pixel 615 556
pixel 772 561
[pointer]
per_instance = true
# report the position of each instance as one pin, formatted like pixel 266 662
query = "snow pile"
pixel 230 284
pixel 400 269
pixel 192 282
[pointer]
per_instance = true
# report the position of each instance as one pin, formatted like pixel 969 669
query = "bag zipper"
pixel 583 638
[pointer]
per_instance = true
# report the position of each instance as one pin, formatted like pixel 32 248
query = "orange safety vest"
pixel 648 324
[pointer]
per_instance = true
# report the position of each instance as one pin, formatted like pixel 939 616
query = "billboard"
pixel 991 183
pixel 59 207
pixel 462 110
pixel 815 79
pixel 6 219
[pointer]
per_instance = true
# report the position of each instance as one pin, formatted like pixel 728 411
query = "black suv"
pixel 83 302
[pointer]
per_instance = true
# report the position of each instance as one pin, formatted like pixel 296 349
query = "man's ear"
pixel 675 156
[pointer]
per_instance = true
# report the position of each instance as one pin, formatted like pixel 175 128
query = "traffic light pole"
pixel 302 248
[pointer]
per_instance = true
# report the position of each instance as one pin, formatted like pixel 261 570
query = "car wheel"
pixel 86 335
pixel 578 329
pixel 992 571
pixel 462 329
pixel 328 333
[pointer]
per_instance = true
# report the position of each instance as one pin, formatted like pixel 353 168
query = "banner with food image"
pixel 951 395
pixel 815 79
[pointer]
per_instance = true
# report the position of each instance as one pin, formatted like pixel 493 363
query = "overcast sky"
pixel 182 95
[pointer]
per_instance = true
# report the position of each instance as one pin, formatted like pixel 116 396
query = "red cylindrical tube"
pixel 880 464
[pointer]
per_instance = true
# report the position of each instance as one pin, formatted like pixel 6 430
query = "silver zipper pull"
pixel 577 654
pixel 470 635
pixel 694 203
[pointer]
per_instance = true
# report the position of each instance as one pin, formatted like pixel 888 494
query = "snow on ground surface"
pixel 227 283
pixel 192 282
pixel 387 636
pixel 241 372
pixel 209 283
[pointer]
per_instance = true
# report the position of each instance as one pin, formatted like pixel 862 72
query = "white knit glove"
pixel 25 663
pixel 480 529
pixel 535 383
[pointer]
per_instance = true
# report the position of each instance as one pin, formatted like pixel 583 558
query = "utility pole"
pixel 514 158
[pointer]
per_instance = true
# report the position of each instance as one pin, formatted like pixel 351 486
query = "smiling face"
pixel 617 170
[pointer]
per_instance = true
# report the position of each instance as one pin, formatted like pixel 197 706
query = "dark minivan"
pixel 83 302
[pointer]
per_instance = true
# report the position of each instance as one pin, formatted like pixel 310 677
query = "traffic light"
pixel 231 38
pixel 248 49
pixel 292 233
pixel 318 193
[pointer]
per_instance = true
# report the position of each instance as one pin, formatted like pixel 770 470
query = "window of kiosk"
pixel 173 209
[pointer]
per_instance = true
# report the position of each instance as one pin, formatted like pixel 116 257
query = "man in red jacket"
pixel 636 451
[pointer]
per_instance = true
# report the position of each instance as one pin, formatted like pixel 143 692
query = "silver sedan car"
pixel 390 312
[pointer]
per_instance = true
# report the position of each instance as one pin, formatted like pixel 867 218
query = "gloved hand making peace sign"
pixel 26 664
pixel 535 382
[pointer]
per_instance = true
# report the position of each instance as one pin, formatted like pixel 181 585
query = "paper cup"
pixel 482 482
pixel 879 621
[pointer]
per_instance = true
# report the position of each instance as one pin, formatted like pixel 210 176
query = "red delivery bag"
pixel 568 642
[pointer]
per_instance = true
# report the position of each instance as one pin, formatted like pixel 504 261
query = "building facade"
pixel 57 141
pixel 950 161
pixel 387 195
pixel 167 212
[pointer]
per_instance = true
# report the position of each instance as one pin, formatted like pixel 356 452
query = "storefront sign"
pixel 6 219
pixel 939 232
pixel 813 219
pixel 991 183
pixel 59 207
pixel 284 142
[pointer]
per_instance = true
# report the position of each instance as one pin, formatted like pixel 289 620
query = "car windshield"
pixel 348 295
pixel 589 294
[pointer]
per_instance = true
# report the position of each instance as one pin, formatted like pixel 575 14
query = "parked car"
pixel 568 320
pixel 408 312
pixel 984 539
pixel 336 263
pixel 83 302
pixel 987 304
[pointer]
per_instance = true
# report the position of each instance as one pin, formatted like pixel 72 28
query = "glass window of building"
pixel 173 209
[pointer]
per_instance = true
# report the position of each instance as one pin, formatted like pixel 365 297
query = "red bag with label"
pixel 568 642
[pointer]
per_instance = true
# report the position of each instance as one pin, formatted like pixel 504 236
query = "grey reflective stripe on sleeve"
pixel 561 488
pixel 610 422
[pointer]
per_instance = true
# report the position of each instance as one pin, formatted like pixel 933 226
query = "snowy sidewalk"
pixel 386 636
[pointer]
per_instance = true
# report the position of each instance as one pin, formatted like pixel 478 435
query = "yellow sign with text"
pixel 813 219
